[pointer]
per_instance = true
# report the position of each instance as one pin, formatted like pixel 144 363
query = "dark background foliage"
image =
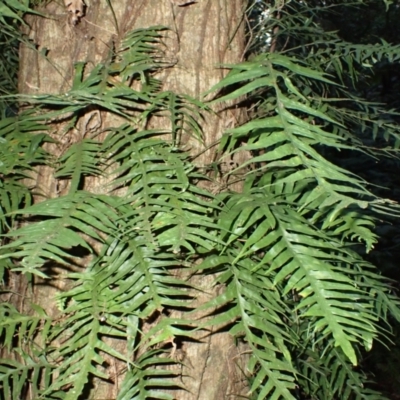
pixel 368 23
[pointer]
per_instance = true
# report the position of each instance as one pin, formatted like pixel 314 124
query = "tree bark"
pixel 202 36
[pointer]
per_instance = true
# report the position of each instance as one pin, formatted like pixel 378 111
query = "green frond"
pixel 329 375
pixel 139 57
pixel 14 376
pixel 14 9
pixel 353 226
pixel 160 197
pixel 285 141
pixel 20 149
pixel 14 325
pixel 51 238
pixel 81 159
pixel 80 353
pixel 255 312
pixel 12 195
pixel 128 282
pixel 285 249
pixel 140 382
pixel 24 337
pixel 141 51
pixel 309 263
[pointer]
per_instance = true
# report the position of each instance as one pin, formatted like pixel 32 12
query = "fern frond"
pixel 24 328
pixel 140 52
pixel 139 57
pixel 81 159
pixel 160 196
pixel 286 140
pixel 140 382
pixel 15 377
pixel 127 283
pixel 51 238
pixel 20 144
pixel 24 340
pixel 255 312
pixel 330 375
pixel 305 261
pixel 294 291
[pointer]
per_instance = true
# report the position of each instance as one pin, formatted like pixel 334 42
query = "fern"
pixel 330 375
pixel 295 204
pixel 287 249
pixel 47 240
pixel 28 367
pixel 141 236
pixel 255 312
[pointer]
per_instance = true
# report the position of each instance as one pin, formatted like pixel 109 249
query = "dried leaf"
pixel 76 8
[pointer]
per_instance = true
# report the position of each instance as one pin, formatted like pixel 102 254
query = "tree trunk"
pixel 202 36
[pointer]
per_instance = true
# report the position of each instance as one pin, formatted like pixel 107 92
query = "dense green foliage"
pixel 291 250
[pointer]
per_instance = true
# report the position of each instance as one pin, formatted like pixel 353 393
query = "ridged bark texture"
pixel 203 36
